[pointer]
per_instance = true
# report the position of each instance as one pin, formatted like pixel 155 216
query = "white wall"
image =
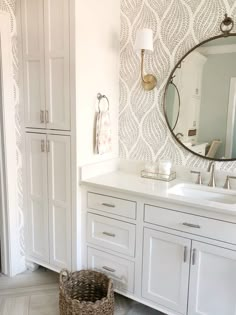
pixel 218 71
pixel 97 70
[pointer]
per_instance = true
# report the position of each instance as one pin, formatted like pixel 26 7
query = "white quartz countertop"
pixel 154 189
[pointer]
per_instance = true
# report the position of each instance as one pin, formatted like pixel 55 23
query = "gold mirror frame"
pixel 226 27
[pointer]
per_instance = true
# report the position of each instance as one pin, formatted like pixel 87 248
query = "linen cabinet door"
pixel 166 269
pixel 59 195
pixel 56 13
pixel 33 63
pixel 37 198
pixel 212 288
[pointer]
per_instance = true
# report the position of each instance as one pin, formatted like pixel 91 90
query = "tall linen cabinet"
pixel 49 131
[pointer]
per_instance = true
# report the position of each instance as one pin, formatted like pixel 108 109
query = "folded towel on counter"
pixel 103 133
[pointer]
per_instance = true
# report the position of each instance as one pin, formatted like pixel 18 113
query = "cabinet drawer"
pixel 193 224
pixel 124 208
pixel 120 270
pixel 112 234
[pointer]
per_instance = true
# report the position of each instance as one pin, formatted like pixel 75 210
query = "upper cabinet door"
pixel 33 63
pixel 37 197
pixel 57 42
pixel 166 260
pixel 59 195
pixel 212 287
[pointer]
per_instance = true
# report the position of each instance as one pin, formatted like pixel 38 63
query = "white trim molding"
pixel 13 261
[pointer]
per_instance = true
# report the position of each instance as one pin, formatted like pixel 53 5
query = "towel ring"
pixel 100 97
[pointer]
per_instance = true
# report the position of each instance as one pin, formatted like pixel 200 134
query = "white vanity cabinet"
pixel 166 260
pixel 110 238
pixel 174 258
pixel 45 34
pixel 212 288
pixel 49 199
pixel 169 260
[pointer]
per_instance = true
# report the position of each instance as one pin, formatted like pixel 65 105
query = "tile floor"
pixel 37 294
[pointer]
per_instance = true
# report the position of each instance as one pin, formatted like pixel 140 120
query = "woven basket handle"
pixel 64 275
pixel 110 288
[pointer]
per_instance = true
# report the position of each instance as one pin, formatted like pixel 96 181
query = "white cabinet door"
pixel 46 42
pixel 212 288
pixel 166 269
pixel 37 219
pixel 33 62
pixel 59 194
pixel 56 13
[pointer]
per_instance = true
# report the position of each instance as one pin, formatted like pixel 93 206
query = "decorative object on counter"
pixel 162 171
pixel 165 167
pixel 143 42
pixel 85 292
pixel 158 176
pixel 150 167
pixel 103 127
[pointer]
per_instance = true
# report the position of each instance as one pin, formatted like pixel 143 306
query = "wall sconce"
pixel 144 41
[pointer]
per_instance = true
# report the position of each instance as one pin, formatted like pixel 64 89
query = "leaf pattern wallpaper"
pixel 178 25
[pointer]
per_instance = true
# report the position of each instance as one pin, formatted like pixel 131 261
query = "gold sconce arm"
pixel 149 81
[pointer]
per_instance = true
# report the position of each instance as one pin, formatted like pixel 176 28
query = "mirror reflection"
pixel 200 106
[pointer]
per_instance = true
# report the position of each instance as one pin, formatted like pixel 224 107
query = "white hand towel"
pixel 103 133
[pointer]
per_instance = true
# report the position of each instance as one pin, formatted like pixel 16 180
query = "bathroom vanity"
pixel 174 253
pixel 172 246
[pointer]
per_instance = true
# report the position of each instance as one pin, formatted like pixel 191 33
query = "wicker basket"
pixel 85 292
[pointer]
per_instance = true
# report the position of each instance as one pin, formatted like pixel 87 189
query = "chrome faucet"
pixel 211 168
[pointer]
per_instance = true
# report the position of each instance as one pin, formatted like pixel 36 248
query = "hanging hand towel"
pixel 103 133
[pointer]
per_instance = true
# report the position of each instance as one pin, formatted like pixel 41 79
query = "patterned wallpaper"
pixel 177 26
pixel 10 7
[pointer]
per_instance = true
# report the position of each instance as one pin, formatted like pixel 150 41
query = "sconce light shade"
pixel 144 40
pixel 143 43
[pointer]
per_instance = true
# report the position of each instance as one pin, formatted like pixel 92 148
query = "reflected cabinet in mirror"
pixel 200 99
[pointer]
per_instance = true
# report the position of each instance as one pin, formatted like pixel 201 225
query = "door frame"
pixel 13 261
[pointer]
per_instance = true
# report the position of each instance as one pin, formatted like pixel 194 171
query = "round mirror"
pixel 200 99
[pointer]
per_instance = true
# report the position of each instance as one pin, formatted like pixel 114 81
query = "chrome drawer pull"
pixel 42 146
pixel 109 234
pixel 48 146
pixel 185 253
pixel 47 116
pixel 194 257
pixel 108 205
pixel 108 269
pixel 42 116
pixel 196 226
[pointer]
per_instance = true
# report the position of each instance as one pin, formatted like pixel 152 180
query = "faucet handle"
pixel 199 177
pixel 227 182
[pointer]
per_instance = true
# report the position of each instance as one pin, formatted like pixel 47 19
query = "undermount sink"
pixel 204 193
